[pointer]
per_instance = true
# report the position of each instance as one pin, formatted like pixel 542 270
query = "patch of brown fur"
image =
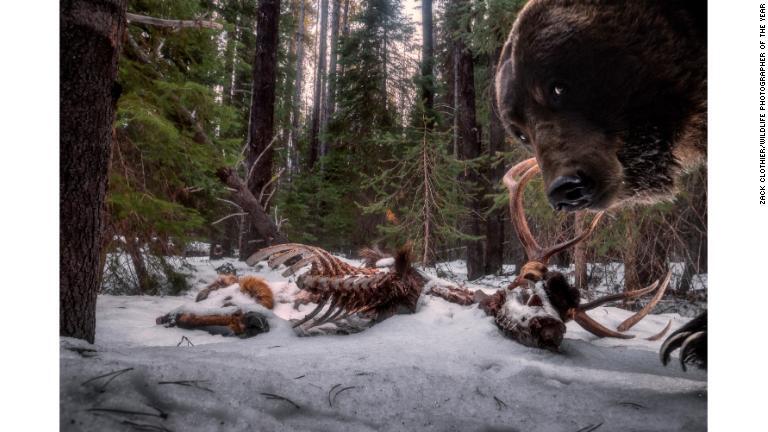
pixel 258 289
pixel 192 321
pixel 222 281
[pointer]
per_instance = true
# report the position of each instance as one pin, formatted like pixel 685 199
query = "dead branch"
pixel 258 158
pixel 248 202
pixel 227 217
pixel 264 203
pixel 230 202
pixel 133 18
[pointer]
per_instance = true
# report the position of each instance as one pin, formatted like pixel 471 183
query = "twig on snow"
pixel 278 397
pixel 342 390
pixel 146 426
pixel 499 403
pixel 184 338
pixel 330 403
pixel 161 415
pixel 632 404
pixel 84 352
pixel 590 428
pixel 112 375
pixel 189 383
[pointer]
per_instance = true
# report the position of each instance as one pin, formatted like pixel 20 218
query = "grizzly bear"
pixel 611 97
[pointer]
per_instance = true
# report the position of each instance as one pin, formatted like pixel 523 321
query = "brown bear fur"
pixel 616 91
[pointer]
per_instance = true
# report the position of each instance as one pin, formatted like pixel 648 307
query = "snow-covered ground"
pixel 445 368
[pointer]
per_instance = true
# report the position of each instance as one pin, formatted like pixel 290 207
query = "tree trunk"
pixel 330 106
pixel 91 35
pixel 468 138
pixel 259 219
pixel 494 230
pixel 230 53
pixel 454 84
pixel 292 162
pixel 261 124
pixel 428 254
pixel 314 137
pixel 146 283
pixel 427 61
pixel 345 26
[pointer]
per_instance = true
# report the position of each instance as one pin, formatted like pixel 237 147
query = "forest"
pixel 351 129
pixel 213 149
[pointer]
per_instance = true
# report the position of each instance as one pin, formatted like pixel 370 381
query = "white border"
pixel 29 227
pixel 738 240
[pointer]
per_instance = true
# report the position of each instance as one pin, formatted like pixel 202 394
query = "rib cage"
pixel 344 288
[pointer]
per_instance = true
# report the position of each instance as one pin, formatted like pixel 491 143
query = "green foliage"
pixel 172 132
pixel 184 112
pixel 421 196
pixel 323 206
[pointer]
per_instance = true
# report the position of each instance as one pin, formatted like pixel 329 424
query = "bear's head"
pixel 609 96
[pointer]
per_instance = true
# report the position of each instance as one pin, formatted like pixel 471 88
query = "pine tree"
pixel 170 135
pixel 420 195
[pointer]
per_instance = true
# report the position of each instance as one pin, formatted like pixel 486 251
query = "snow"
pixel 517 305
pixel 446 367
pixel 385 262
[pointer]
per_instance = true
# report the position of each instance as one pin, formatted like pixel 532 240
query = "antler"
pixel 579 314
pixel 346 289
pixel 538 257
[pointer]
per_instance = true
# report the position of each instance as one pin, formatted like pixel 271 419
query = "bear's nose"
pixel 571 192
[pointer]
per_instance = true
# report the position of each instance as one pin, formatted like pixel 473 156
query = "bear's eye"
pixel 521 137
pixel 557 91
